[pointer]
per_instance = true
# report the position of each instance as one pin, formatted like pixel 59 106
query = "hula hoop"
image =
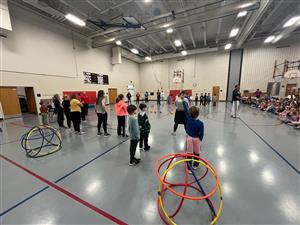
pixel 167 186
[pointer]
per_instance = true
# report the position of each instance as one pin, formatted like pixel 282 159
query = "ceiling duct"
pixel 218 12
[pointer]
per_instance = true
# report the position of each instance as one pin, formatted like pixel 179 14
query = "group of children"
pixel 287 109
pixel 203 99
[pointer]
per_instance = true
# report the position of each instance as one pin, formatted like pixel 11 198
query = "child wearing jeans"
pixel 195 132
pixel 144 127
pixel 121 111
pixel 134 133
pixel 44 113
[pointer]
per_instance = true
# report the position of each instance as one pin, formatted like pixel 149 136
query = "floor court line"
pixel 67 193
pixel 60 179
pixel 271 147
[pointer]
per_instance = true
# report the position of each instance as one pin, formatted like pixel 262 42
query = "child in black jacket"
pixel 144 127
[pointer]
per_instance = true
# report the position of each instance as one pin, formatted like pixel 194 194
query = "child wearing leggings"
pixel 121 111
pixel 195 132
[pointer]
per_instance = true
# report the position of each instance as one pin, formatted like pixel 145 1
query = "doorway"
pixel 290 88
pixel 112 94
pixel 30 100
pixel 216 91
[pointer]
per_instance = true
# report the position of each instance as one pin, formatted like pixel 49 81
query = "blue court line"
pixel 60 179
pixel 271 147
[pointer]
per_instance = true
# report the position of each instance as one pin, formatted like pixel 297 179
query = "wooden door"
pixel 10 101
pixel 216 91
pixel 30 100
pixel 290 88
pixel 112 94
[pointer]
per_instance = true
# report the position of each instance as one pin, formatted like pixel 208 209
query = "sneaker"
pixel 147 148
pixel 237 117
pixel 190 172
pixel 80 133
pixel 99 133
pixel 173 133
pixel 106 134
pixel 137 161
pixel 132 164
pixel 124 135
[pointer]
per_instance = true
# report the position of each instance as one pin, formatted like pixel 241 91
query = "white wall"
pixel 42 54
pixel 204 70
pixel 258 64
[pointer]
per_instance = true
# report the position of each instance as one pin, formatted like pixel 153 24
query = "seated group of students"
pixel 287 109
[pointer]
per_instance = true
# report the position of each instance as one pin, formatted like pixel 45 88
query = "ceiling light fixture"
pixel 112 39
pixel 170 30
pixel 118 42
pixel 242 14
pixel 75 20
pixel 277 38
pixel 269 39
pixel 147 1
pixel 228 46
pixel 291 21
pixel 234 32
pixel 183 52
pixel 177 43
pixel 166 25
pixel 134 51
pixel 246 5
pixel 148 58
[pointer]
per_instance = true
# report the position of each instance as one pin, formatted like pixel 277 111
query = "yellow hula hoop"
pixel 218 187
pixel 38 127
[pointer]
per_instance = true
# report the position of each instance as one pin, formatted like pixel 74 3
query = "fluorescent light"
pixel 112 39
pixel 246 5
pixel 234 32
pixel 75 19
pixel 228 46
pixel 134 51
pixel 119 42
pixel 291 21
pixel 147 1
pixel 269 39
pixel 183 52
pixel 170 30
pixel 166 25
pixel 177 43
pixel 277 38
pixel 242 14
pixel 148 58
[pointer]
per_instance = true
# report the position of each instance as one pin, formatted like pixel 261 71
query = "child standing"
pixel 101 111
pixel 201 99
pixel 144 127
pixel 196 99
pixel 121 111
pixel 134 133
pixel 44 113
pixel 66 104
pixel 195 132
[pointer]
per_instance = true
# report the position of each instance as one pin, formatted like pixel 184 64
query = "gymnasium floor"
pixel 257 159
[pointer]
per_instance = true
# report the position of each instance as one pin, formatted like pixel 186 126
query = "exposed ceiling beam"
pixel 138 47
pixel 94 5
pixel 216 13
pixel 279 4
pixel 256 16
pixel 116 6
pixel 192 36
pixel 219 26
pixel 157 43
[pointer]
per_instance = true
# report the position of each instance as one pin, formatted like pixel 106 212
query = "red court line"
pixel 65 192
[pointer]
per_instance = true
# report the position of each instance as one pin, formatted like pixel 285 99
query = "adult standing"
pixel 59 110
pixel 85 101
pixel 129 97
pixel 158 97
pixel 100 109
pixel 196 99
pixel 66 104
pixel 180 115
pixel 146 96
pixel 75 107
pixel 236 96
pixel 205 99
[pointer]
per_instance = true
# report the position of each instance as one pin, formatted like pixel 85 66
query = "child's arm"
pixel 201 131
